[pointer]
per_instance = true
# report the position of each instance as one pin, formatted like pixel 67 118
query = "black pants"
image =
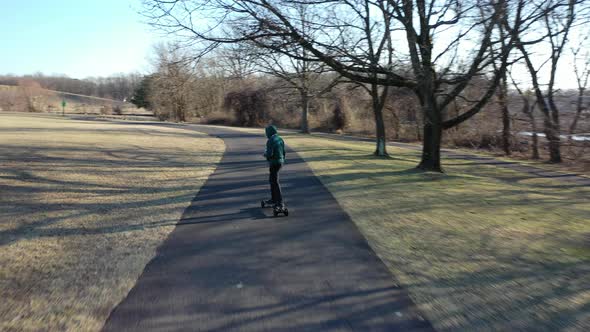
pixel 275 186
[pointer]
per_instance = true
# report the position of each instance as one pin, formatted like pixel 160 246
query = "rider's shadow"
pixel 250 213
pixel 256 213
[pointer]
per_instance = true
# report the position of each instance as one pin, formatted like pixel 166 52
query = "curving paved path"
pixel 229 265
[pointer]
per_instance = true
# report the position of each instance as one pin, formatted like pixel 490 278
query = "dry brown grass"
pixel 482 248
pixel 36 99
pixel 83 207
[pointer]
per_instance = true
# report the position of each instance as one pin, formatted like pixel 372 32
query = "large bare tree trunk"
pixel 304 112
pixel 431 148
pixel 380 149
pixel 529 112
pixel 579 108
pixel 574 123
pixel 552 134
pixel 550 116
pixel 395 122
pixel 506 130
pixel 554 140
pixel 432 136
pixel 433 125
pixel 535 155
pixel 503 101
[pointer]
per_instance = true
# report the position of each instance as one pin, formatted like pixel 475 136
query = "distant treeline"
pixel 118 87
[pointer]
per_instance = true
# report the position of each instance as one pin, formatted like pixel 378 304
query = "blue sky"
pixel 79 38
pixel 82 38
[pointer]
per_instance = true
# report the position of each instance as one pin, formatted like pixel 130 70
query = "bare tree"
pixel 502 96
pixel 503 103
pixel 31 91
pixel 528 109
pixel 581 61
pixel 557 17
pixel 307 78
pixel 171 84
pixel 447 43
pixel 379 45
pixel 304 76
pixel 237 61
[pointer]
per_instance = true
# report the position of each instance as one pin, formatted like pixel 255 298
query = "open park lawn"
pixel 479 248
pixel 83 206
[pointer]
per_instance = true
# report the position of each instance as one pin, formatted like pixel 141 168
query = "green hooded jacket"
pixel 275 147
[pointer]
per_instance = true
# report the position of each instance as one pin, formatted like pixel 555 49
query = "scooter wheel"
pixel 286 213
pixel 262 204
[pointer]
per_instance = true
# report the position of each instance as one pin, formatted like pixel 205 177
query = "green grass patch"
pixel 479 248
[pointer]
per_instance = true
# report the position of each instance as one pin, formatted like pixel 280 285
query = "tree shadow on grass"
pixel 32 174
pixel 39 231
pixel 506 293
pixel 511 291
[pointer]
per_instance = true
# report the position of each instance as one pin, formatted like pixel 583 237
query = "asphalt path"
pixel 231 266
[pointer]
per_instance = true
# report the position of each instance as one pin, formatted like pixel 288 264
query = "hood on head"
pixel 270 130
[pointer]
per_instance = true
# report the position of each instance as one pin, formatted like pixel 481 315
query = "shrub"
pixel 162 115
pixel 117 110
pixel 339 119
pixel 105 110
pixel 220 118
pixel 249 106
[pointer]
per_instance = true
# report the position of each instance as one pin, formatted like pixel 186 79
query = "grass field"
pixel 18 99
pixel 479 248
pixel 83 207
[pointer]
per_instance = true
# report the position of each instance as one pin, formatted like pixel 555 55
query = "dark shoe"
pixel 269 202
